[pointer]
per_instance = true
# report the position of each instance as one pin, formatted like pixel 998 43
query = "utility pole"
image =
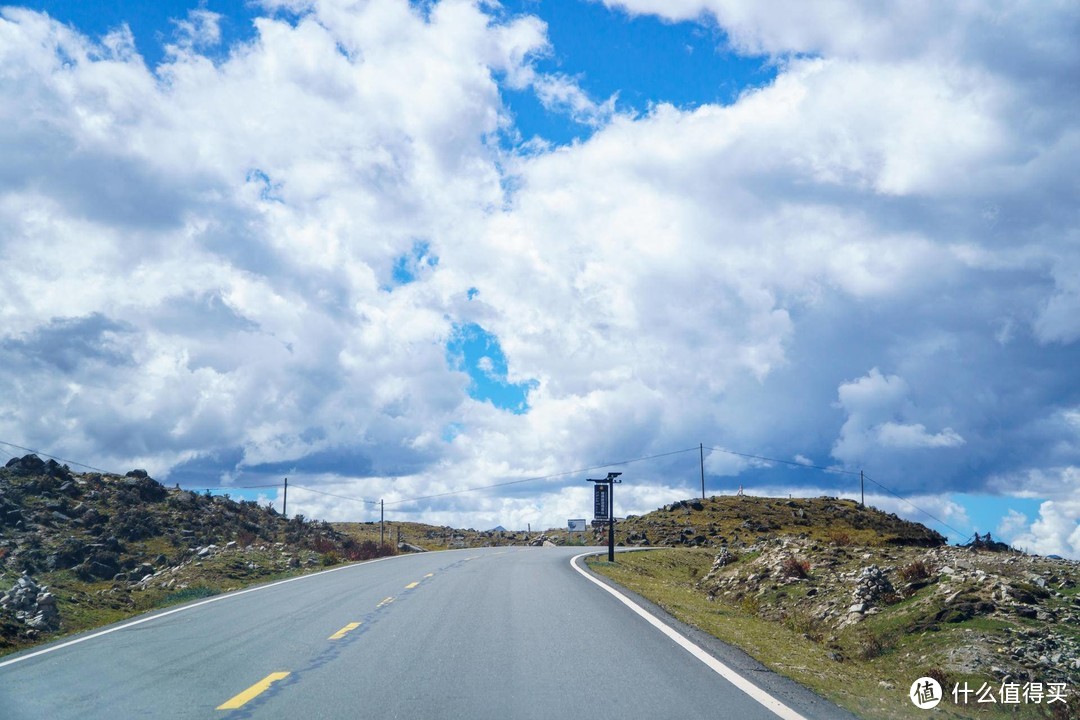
pixel 701 454
pixel 610 481
pixel 862 488
pixel 285 502
pixel 382 530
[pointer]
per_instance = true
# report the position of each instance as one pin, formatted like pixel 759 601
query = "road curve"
pixel 472 634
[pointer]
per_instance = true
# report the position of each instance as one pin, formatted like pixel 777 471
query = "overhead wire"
pixel 334 495
pixel 838 471
pixel 537 478
pixel 52 457
pixel 959 533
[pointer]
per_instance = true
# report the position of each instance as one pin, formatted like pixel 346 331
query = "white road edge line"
pixel 185 608
pixel 715 665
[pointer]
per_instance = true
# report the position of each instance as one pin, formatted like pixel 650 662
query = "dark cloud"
pixel 68 344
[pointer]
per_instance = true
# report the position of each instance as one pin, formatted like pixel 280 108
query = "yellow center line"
pixel 411 585
pixel 430 575
pixel 341 633
pixel 387 601
pixel 260 687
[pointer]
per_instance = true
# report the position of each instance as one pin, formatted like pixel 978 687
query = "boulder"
pixel 27 465
pixel 31 604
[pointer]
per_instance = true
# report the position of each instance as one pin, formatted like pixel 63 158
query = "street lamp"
pixel 599 511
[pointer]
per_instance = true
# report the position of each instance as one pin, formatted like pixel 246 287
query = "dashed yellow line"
pixel 344 631
pixel 411 585
pixel 430 575
pixel 258 688
pixel 385 602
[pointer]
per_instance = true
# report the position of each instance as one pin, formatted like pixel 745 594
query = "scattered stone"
pixel 872 586
pixel 31 604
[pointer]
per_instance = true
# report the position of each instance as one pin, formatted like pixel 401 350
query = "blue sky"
pixel 397 250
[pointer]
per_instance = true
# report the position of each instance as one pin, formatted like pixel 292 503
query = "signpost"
pixel 604 507
pixel 576 525
pixel 600 501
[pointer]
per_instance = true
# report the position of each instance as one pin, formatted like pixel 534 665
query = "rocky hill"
pixel 81 550
pixel 1021 613
pixel 744 519
pixel 858 603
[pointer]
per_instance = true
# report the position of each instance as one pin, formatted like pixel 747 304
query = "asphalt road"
pixel 492 633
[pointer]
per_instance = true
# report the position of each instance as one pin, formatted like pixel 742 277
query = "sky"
pixel 398 250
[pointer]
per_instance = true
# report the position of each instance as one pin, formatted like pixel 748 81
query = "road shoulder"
pixel 788 692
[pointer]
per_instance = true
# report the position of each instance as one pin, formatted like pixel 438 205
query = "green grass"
pixel 187 595
pixel 880 657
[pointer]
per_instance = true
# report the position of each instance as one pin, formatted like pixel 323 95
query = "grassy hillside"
pixel 78 551
pixel 859 621
pixel 436 537
pixel 732 520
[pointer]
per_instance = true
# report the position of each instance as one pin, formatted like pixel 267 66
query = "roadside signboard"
pixel 577 525
pixel 600 502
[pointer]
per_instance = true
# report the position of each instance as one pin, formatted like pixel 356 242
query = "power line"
pixel 343 497
pixel 844 472
pixel 232 487
pixel 465 490
pixel 808 466
pixel 53 457
pixel 924 512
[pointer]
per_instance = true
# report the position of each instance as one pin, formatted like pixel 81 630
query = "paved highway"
pixel 491 633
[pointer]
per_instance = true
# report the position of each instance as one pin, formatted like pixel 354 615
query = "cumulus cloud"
pixel 201 29
pixel 878 409
pixel 1055 532
pixel 914 435
pixel 1012 525
pixel 868 262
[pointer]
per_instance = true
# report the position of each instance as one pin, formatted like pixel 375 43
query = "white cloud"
pixel 560 93
pixel 914 435
pixel 1055 532
pixel 1057 528
pixel 201 29
pixel 869 403
pixel 193 257
pixel 1012 525
pixel 848 28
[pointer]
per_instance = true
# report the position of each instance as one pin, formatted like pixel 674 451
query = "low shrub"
pixel 794 567
pixel 840 538
pixel 751 605
pixel 367 550
pixel 916 571
pixel 869 645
